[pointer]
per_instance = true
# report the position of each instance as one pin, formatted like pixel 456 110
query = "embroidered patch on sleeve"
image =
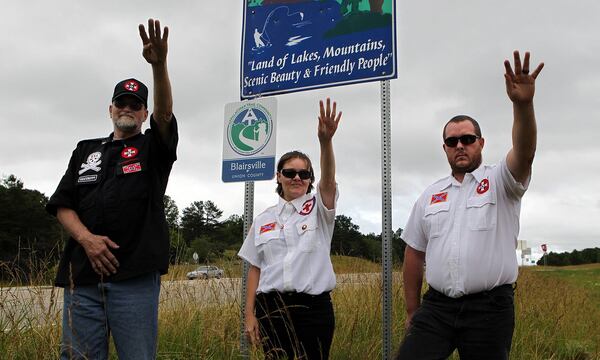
pixel 438 198
pixel 268 227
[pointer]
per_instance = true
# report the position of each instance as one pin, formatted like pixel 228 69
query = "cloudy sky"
pixel 61 59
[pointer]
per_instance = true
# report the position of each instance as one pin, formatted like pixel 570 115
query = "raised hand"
pixel 155 43
pixel 520 84
pixel 328 121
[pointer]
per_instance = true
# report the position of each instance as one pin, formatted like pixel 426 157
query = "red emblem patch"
pixel 129 152
pixel 439 197
pixel 268 227
pixel 132 168
pixel 483 186
pixel 308 206
pixel 131 86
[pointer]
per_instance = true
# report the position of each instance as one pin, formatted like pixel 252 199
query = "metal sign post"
pixel 386 231
pixel 290 46
pixel 248 216
pixel 248 156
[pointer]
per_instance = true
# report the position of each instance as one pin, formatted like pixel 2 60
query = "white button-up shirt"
pixel 468 230
pixel 290 243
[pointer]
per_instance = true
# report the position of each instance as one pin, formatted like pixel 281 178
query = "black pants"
pixel 479 325
pixel 295 325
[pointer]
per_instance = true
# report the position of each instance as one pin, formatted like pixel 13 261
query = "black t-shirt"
pixel 117 189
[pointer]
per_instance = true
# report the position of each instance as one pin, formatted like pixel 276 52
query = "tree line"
pixel 31 239
pixel 575 257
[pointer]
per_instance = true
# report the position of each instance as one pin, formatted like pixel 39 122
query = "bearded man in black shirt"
pixel 110 201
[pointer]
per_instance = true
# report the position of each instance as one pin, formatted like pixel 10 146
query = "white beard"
pixel 125 123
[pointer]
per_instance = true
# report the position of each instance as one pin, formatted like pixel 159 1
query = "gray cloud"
pixel 58 72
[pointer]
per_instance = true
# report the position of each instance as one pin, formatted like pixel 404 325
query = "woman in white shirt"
pixel 288 306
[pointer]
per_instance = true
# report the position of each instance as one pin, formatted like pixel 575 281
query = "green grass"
pixel 585 276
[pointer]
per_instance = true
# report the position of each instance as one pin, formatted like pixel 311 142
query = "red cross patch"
pixel 483 186
pixel 308 206
pixel 131 86
pixel 129 152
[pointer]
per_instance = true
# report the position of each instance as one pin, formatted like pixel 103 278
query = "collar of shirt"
pixel 111 138
pixel 296 203
pixel 450 180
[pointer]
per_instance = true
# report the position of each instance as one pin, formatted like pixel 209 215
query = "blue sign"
pixel 248 169
pixel 295 45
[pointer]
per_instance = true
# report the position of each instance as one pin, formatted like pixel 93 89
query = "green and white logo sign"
pixel 250 129
pixel 249 140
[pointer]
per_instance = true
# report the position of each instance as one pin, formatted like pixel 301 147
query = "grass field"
pixel 558 317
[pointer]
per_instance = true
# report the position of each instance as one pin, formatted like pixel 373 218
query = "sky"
pixel 61 60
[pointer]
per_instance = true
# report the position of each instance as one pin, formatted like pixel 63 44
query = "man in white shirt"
pixel 465 228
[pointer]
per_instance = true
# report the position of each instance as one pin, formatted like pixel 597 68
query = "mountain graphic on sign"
pixel 249 118
pixel 250 130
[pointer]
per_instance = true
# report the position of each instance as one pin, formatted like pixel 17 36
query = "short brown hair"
pixel 461 118
pixel 295 155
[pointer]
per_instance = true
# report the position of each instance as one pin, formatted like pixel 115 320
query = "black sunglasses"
pixel 452 141
pixel 291 173
pixel 133 104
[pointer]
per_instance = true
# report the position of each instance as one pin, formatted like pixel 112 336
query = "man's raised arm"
pixel 520 87
pixel 155 53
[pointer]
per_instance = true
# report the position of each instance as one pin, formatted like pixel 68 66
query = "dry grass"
pixel 556 318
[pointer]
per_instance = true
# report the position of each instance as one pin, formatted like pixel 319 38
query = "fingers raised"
pixel 321 110
pixel 509 70
pixel 526 63
pixel 151 30
pixel 517 58
pixel 157 29
pixel 143 35
pixel 537 70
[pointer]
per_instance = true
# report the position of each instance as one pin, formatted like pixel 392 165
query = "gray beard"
pixel 125 124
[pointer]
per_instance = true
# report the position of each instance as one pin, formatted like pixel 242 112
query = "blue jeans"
pixel 479 325
pixel 127 309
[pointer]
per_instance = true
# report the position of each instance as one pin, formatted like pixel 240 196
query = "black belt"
pixel 492 291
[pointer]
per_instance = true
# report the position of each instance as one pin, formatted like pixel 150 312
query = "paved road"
pixel 24 307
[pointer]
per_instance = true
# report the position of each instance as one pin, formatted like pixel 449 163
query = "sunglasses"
pixel 452 141
pixel 291 173
pixel 133 104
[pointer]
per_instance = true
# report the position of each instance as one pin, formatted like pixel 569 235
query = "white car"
pixel 205 272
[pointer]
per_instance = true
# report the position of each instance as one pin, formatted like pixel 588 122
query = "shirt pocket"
pixel 132 177
pixel 270 246
pixel 436 218
pixel 307 235
pixel 481 212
